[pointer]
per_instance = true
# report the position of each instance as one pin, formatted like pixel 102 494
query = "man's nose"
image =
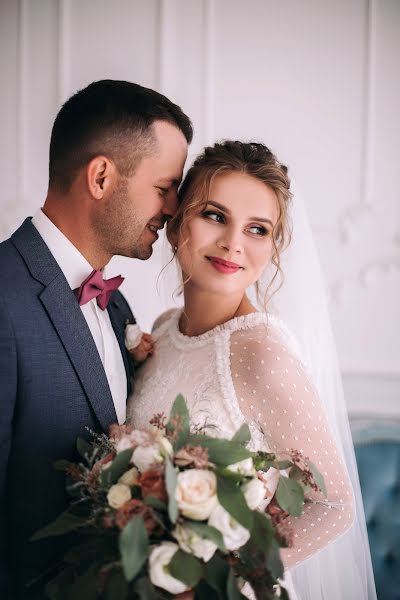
pixel 170 204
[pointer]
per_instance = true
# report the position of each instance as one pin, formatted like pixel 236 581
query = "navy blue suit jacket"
pixel 52 385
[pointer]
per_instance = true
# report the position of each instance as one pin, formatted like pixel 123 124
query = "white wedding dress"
pixel 248 370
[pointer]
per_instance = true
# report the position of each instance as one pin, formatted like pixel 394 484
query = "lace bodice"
pixel 248 369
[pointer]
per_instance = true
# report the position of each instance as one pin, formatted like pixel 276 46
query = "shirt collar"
pixel 71 262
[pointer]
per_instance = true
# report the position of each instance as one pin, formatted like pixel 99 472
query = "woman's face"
pixel 230 242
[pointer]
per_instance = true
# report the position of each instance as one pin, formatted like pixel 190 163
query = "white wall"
pixel 315 80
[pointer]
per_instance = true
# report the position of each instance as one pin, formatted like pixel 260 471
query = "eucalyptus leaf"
pixel 117 586
pixel 232 499
pixel 216 575
pixel 262 534
pixel 155 503
pixel 170 483
pixel 56 588
pixel 221 452
pixel 274 562
pixel 144 590
pixel 85 449
pixel 179 409
pixel 84 586
pixel 208 532
pixel 290 496
pixel 186 568
pixel 318 478
pixel 133 547
pixel 232 591
pixel 64 523
pixel 119 465
pixel 242 436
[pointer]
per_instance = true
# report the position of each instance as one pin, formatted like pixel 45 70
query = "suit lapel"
pixel 119 330
pixel 67 318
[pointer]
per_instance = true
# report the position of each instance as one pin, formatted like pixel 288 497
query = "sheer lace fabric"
pixel 247 370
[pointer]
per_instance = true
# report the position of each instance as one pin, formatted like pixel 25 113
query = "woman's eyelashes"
pixel 257 230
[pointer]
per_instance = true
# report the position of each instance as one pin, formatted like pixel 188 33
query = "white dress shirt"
pixel 76 269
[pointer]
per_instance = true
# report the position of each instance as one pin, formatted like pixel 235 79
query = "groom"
pixel 117 153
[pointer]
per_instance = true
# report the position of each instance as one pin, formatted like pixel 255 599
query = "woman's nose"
pixel 231 241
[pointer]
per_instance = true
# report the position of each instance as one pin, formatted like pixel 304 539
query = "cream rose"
pixel 118 494
pixel 129 477
pixel 196 493
pixel 270 480
pixel 254 492
pixel 192 543
pixel 235 535
pixel 159 559
pixel 123 444
pixel 243 467
pixel 165 446
pixel 145 457
pixel 133 335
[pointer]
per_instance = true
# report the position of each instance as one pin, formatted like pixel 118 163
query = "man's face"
pixel 141 204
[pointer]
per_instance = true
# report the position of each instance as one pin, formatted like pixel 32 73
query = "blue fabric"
pixel 52 385
pixel 379 470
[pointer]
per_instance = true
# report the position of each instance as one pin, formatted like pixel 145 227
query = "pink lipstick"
pixel 223 266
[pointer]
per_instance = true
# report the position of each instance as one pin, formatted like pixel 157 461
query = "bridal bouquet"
pixel 165 510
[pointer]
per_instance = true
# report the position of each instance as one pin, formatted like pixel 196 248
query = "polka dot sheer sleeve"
pixel 276 396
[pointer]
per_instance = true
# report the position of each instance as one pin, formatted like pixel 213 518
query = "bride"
pixel 235 363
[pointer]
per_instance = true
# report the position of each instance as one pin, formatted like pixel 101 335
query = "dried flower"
pixel 195 456
pixel 153 484
pixel 158 420
pixel 134 508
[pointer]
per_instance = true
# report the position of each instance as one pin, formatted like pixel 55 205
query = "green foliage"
pixel 170 482
pixel 133 547
pixel 179 413
pixel 64 523
pixel 208 532
pixel 186 568
pixel 119 465
pixel 242 436
pixel 232 499
pixel 318 478
pixel 84 448
pixel 116 587
pixel 221 452
pixel 290 496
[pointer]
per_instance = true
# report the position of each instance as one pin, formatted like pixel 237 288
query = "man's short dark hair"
pixel 113 118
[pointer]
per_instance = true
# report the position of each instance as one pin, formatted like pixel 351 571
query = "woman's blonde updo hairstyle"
pixel 252 158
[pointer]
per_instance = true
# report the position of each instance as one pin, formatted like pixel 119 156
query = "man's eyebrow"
pixel 225 209
pixel 170 180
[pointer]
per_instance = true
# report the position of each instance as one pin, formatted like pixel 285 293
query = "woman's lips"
pixel 223 266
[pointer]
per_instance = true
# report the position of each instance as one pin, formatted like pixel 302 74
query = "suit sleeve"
pixel 8 392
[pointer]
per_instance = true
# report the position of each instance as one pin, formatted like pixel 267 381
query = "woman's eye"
pixel 214 216
pixel 258 230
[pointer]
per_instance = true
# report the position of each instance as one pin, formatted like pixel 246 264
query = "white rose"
pixel 270 480
pixel 118 494
pixel 254 492
pixel 141 437
pixel 129 477
pixel 192 543
pixel 196 493
pixel 244 467
pixel 235 535
pixel 145 457
pixel 166 448
pixel 123 444
pixel 133 335
pixel 159 559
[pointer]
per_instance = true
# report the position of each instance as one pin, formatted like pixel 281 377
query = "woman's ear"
pixel 101 173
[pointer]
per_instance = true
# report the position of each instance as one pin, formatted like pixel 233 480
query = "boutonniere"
pixel 139 345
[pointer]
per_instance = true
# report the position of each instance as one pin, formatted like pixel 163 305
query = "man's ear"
pixel 100 175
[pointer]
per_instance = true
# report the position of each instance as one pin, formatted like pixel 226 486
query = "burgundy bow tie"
pixel 95 286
